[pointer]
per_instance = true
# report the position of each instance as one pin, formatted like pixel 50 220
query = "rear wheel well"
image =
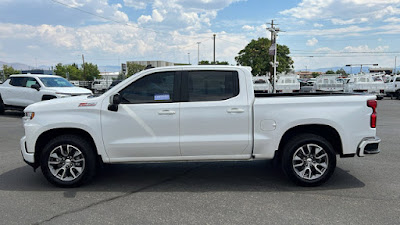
pixel 50 134
pixel 325 131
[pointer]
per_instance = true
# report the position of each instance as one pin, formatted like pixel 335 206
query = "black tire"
pixel 74 170
pixel 294 162
pixel 2 107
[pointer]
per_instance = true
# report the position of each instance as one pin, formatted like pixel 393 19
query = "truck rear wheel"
pixel 68 161
pixel 308 160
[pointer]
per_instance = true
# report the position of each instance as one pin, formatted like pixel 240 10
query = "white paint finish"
pixel 24 96
pixel 200 130
pixel 141 130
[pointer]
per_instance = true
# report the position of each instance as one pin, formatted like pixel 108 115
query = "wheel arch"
pixel 325 131
pixel 52 133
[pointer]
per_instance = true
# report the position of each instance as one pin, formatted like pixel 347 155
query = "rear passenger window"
pixel 212 85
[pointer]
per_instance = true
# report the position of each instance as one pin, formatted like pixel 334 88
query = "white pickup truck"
pixel 197 113
pixel 19 91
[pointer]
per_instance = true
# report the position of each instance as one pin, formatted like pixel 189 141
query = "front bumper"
pixel 28 157
pixel 368 145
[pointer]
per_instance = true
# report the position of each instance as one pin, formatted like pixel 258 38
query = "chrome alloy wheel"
pixel 310 161
pixel 66 162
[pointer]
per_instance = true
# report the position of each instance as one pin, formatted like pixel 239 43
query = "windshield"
pixel 55 82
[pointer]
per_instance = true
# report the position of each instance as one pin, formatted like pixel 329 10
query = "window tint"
pixel 18 81
pixel 154 88
pixel 397 78
pixel 31 81
pixel 212 85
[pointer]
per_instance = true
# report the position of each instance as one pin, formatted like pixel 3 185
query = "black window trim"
pixel 176 90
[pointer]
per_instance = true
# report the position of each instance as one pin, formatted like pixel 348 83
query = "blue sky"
pixel 319 33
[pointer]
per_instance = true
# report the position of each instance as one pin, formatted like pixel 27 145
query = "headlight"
pixel 29 116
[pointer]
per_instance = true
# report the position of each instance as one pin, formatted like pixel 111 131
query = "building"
pixel 153 63
pixel 387 71
pixel 307 74
pixel 109 75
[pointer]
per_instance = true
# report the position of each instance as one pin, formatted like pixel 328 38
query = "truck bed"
pixel 265 95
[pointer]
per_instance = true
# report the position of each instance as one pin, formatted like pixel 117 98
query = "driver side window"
pixel 153 88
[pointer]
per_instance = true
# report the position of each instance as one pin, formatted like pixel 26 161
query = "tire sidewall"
pixel 295 144
pixel 83 146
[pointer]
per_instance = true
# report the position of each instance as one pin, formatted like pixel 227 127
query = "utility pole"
pixel 273 52
pixel 214 48
pixel 83 66
pixel 189 57
pixel 395 65
pixel 198 53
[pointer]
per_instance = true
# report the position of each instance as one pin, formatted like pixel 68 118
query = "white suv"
pixel 19 91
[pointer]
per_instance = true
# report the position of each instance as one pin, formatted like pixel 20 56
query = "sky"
pixel 319 33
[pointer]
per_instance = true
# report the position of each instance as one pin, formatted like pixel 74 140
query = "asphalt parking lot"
pixel 361 191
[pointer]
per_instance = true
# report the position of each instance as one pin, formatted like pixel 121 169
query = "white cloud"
pixel 318 25
pixel 312 42
pixel 392 20
pixel 344 12
pixel 248 28
pixel 137 4
pixel 350 21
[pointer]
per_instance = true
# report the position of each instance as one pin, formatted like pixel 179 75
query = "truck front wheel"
pixel 2 107
pixel 308 160
pixel 68 161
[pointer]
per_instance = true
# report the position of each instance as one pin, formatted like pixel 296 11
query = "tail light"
pixel 373 104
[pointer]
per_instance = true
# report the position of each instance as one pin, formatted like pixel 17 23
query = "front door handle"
pixel 235 110
pixel 166 112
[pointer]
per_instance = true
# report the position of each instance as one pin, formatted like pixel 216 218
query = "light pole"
pixel 189 57
pixel 198 53
pixel 274 31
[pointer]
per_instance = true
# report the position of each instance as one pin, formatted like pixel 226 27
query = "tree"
pixel 341 71
pixel 9 70
pixel 90 71
pixel 330 72
pixel 256 55
pixel 133 68
pixel 315 74
pixel 73 72
pixel 205 62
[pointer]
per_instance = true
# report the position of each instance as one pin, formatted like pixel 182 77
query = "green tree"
pixel 9 70
pixel 61 70
pixel 315 74
pixel 341 71
pixel 133 68
pixel 330 72
pixel 256 55
pixel 90 71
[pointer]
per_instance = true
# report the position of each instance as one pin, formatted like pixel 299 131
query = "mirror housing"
pixel 35 86
pixel 115 100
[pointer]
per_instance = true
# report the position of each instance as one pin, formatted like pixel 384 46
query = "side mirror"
pixel 36 86
pixel 115 100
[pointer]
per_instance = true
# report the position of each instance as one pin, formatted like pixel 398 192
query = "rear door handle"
pixel 166 112
pixel 235 110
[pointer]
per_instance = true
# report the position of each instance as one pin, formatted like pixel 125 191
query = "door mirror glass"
pixel 115 100
pixel 35 86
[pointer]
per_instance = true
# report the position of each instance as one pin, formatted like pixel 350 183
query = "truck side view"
pixel 197 113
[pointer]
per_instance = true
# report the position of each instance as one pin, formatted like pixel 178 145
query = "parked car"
pixel 393 86
pixel 19 91
pixel 197 113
